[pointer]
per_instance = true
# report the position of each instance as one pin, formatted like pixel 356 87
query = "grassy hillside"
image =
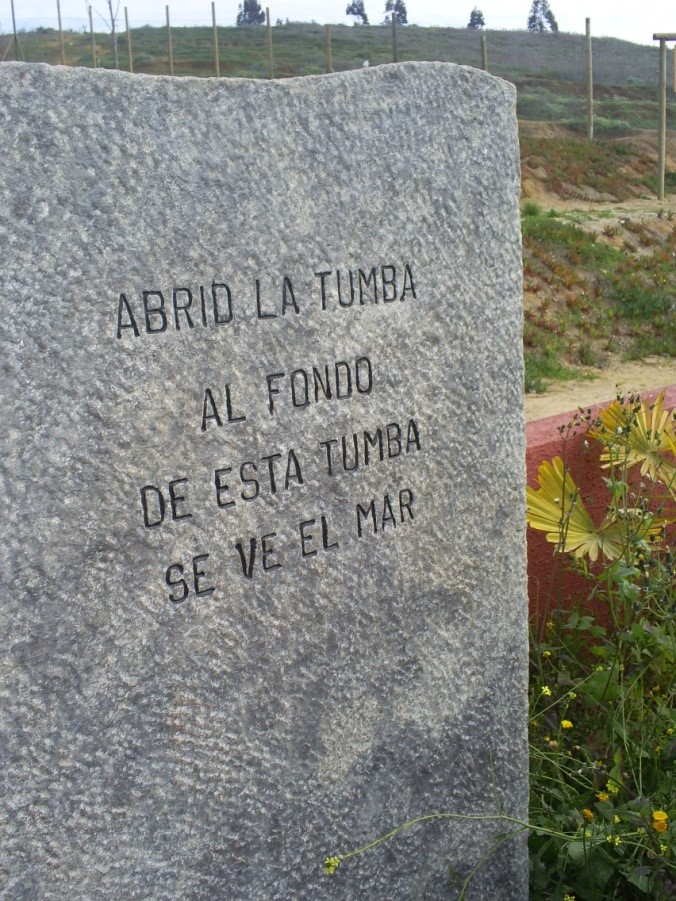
pixel 548 69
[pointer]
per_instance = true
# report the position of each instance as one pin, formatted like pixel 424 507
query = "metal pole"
pixel 484 53
pixel 131 58
pixel 91 31
pixel 590 84
pixel 394 39
pixel 63 46
pixel 663 120
pixel 271 64
pixel 329 55
pixel 171 49
pixel 213 18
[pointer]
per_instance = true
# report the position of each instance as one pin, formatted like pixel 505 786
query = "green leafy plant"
pixel 603 721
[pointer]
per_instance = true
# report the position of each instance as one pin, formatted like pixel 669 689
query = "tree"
pixel 541 18
pixel 476 19
pixel 356 9
pixel 398 7
pixel 250 13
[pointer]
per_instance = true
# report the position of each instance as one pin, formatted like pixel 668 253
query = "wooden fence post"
pixel 395 55
pixel 216 61
pixel 169 44
pixel 329 55
pixel 484 53
pixel 662 141
pixel 271 63
pixel 91 31
pixel 590 83
pixel 63 46
pixel 17 47
pixel 126 22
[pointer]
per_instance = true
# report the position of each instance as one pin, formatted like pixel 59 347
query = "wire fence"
pixel 206 47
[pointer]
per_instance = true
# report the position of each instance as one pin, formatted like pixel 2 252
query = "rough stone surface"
pixel 222 746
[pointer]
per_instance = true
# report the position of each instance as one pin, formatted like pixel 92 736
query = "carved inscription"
pixel 186 307
pixel 240 478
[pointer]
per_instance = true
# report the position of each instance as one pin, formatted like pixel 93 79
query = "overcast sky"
pixel 626 19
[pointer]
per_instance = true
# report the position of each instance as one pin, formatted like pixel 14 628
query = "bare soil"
pixel 628 377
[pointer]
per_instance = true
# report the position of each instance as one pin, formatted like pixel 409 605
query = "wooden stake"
pixel 63 46
pixel 329 55
pixel 590 83
pixel 17 47
pixel 662 92
pixel 395 55
pixel 271 65
pixel 126 22
pixel 91 31
pixel 661 153
pixel 216 61
pixel 171 49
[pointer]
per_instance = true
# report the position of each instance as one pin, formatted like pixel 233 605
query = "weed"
pixel 530 208
pixel 602 695
pixel 587 355
pixel 541 365
pixel 639 301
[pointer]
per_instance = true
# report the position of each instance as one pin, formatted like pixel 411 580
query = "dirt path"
pixel 562 397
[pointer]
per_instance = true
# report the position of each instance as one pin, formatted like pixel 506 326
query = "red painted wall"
pixel 550 585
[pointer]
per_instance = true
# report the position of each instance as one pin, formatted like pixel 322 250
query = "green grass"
pixel 575 241
pixel 541 365
pixel 589 297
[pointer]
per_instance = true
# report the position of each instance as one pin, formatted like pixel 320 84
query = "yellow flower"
pixel 546 653
pixel 613 788
pixel 644 435
pixel 569 898
pixel 557 509
pixel 603 796
pixel 331 864
pixel 616 819
pixel 572 695
pixel 566 724
pixel 587 814
pixel 546 691
pixel 660 820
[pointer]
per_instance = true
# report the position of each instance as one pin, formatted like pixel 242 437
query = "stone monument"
pixel 263 468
